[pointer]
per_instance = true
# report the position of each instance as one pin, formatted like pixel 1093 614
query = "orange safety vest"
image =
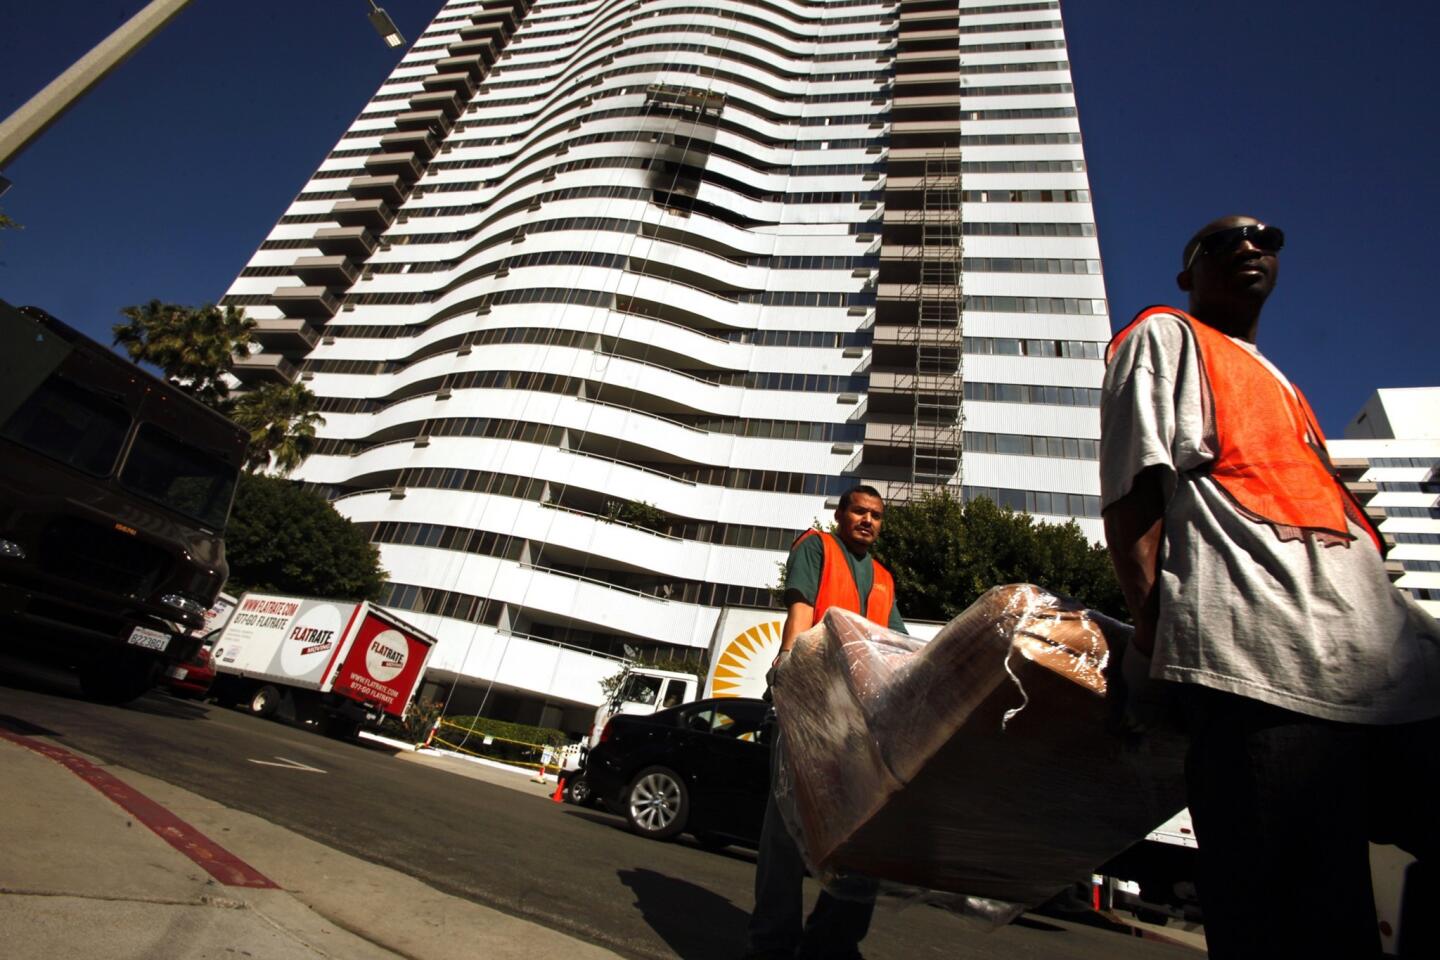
pixel 837 585
pixel 1270 453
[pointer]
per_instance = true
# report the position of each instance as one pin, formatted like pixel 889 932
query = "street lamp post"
pixel 40 111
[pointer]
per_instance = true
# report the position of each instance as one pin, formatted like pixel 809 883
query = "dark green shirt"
pixel 802 576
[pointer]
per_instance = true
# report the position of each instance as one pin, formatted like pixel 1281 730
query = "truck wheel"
pixel 118 680
pixel 578 792
pixel 657 803
pixel 265 701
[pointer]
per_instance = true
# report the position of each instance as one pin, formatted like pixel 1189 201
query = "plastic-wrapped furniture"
pixel 977 763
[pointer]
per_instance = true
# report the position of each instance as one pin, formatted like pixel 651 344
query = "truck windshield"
pixel 66 422
pixel 639 688
pixel 178 476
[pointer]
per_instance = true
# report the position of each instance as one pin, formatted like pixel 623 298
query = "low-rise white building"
pixel 1391 455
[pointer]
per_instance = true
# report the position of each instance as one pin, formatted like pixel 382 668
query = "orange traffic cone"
pixel 559 795
pixel 539 775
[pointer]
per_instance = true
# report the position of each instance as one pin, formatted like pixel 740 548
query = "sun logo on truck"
pixel 748 655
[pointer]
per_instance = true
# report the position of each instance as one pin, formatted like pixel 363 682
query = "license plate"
pixel 178 673
pixel 149 639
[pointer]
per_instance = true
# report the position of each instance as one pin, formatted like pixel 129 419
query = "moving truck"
pixel 333 664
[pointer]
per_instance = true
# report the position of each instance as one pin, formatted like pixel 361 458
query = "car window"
pixel 738 723
pixel 697 720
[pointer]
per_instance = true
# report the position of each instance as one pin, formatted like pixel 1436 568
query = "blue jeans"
pixel 835 927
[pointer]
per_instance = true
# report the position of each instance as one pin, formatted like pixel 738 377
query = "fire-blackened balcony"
pixel 703 105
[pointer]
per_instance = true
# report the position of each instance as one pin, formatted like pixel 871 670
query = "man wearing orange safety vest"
pixel 1309 686
pixel 824 570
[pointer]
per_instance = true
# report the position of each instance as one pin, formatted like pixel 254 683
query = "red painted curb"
pixel 220 863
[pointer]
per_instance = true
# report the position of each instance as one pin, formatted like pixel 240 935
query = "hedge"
pixel 519 732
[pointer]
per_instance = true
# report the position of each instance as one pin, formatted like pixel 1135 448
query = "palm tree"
pixel 195 347
pixel 281 420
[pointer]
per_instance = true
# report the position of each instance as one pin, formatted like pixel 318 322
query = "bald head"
pixel 1229 268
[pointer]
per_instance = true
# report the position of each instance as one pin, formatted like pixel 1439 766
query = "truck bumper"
pixel 79 630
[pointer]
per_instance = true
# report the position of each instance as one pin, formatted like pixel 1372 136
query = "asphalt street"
pixel 577 871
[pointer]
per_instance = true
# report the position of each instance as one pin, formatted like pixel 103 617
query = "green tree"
pixel 195 347
pixel 945 554
pixel 281 420
pixel 285 539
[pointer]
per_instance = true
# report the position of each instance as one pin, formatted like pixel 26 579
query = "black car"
pixel 702 768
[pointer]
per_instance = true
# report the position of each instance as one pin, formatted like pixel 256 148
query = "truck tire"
pixel 578 792
pixel 657 803
pixel 119 680
pixel 265 701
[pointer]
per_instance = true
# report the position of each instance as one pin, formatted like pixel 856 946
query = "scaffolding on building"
pixel 936 432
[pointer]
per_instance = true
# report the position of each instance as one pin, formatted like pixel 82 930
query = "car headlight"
pixel 180 602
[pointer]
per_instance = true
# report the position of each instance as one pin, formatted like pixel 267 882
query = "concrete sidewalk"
pixel 81 876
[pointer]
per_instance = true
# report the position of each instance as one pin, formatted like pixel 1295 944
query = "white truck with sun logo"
pixel 332 664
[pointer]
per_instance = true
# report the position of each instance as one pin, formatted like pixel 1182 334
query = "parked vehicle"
pixel 642 691
pixel 702 768
pixel 115 488
pixel 192 679
pixel 333 664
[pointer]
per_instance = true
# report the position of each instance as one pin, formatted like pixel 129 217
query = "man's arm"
pixel 1133 532
pixel 799 618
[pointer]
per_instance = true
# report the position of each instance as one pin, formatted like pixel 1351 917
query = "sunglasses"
pixel 1268 239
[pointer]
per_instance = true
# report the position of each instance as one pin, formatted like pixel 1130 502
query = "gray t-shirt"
pixel 1294 623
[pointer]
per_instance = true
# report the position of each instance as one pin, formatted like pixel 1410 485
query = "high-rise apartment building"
pixel 1390 458
pixel 606 300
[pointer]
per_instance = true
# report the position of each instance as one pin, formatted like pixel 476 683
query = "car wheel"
pixel 657 804
pixel 119 680
pixel 578 792
pixel 265 701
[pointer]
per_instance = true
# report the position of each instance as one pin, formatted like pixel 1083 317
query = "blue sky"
pixel 1316 117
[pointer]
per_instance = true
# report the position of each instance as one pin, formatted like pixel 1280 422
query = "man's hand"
pixel 775 666
pixel 1144 702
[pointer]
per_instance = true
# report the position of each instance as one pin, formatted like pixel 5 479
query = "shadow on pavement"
pixel 25 727
pixel 693 922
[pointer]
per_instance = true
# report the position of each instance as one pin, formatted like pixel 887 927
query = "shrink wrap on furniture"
pixel 977 763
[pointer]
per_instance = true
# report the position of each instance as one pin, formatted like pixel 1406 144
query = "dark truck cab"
pixel 114 492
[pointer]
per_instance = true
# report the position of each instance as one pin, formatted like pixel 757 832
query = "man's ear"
pixel 1182 280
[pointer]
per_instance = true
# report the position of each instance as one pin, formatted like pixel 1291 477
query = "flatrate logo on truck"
pixel 385 658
